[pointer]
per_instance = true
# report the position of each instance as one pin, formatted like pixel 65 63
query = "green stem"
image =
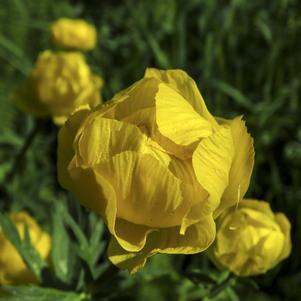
pixel 4 194
pixel 21 154
pixel 107 276
pixel 216 290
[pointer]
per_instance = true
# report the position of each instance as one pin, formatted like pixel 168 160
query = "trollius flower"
pixel 156 165
pixel 251 239
pixel 73 33
pixel 13 270
pixel 58 84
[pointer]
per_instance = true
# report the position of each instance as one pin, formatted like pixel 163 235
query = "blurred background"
pixel 246 59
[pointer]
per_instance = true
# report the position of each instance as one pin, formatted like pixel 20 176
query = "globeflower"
pixel 73 33
pixel 58 84
pixel 251 239
pixel 13 270
pixel 156 165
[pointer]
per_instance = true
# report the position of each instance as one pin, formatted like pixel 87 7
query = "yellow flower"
pixel 73 33
pixel 155 164
pixel 58 84
pixel 13 270
pixel 251 239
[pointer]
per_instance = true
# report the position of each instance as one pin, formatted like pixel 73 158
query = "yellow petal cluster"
pixel 251 239
pixel 156 165
pixel 13 270
pixel 73 34
pixel 58 84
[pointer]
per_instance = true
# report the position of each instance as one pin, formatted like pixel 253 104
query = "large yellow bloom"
pixel 73 33
pixel 58 84
pixel 12 268
pixel 156 165
pixel 251 239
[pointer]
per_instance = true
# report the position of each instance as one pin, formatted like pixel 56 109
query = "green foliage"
pixel 62 256
pixel 33 293
pixel 244 55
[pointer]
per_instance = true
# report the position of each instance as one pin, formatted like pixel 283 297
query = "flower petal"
pixel 65 143
pixel 192 191
pixel 136 105
pixel 183 170
pixel 102 138
pixel 176 118
pixel 242 165
pixel 285 226
pixel 139 200
pixel 186 86
pixel 197 212
pixel 124 260
pixel 59 120
pixel 131 237
pixel 270 249
pixel 27 99
pixel 92 190
pixel 212 161
pixel 197 238
pixel 96 193
pixel 257 205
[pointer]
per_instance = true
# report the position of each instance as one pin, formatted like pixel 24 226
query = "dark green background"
pixel 244 55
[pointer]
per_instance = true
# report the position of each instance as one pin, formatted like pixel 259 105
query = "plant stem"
pixel 21 154
pixel 216 290
pixel 103 279
pixel 17 160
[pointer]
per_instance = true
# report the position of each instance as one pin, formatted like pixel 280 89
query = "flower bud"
pixel 13 270
pixel 73 34
pixel 58 84
pixel 251 239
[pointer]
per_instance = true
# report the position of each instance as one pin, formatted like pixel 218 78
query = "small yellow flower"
pixel 13 270
pixel 156 165
pixel 58 84
pixel 251 239
pixel 73 34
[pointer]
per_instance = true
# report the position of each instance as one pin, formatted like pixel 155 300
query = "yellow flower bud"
pixel 58 84
pixel 13 270
pixel 251 239
pixel 73 33
pixel 155 164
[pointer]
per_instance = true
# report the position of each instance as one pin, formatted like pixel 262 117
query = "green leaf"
pixel 8 137
pixel 35 293
pixel 234 93
pixel 248 282
pixel 61 255
pixel 96 245
pixel 89 249
pixel 28 253
pixel 157 289
pixel 232 294
pixel 201 277
pixel 16 52
pixel 221 287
